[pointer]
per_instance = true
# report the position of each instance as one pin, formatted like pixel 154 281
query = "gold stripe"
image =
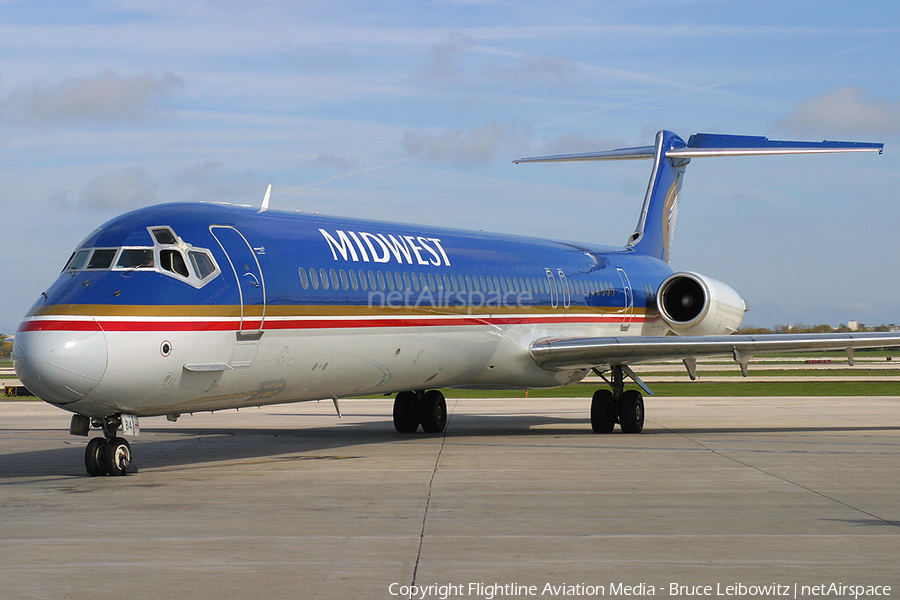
pixel 233 311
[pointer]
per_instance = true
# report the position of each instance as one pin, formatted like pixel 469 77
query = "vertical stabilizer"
pixel 656 226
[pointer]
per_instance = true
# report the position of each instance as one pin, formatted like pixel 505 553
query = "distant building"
pixel 853 325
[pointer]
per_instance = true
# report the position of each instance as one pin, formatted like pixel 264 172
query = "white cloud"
pixel 534 69
pixel 208 182
pixel 104 98
pixel 844 111
pixel 129 189
pixel 445 57
pixel 310 57
pixel 462 147
pixel 458 59
pixel 335 161
pixel 574 143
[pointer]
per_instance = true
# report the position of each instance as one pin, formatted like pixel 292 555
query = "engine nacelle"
pixel 692 304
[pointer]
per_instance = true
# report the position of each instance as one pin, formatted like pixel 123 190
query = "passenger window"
pixel 362 281
pixel 314 279
pixel 203 264
pixel 173 261
pixel 345 284
pixel 135 258
pixel 354 283
pixel 380 281
pixel 102 259
pixel 304 280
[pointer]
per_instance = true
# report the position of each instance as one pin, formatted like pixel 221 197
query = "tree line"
pixel 801 328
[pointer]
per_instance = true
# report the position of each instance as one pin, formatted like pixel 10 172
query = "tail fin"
pixel 656 225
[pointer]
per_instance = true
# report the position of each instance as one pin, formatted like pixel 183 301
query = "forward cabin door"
pixel 250 281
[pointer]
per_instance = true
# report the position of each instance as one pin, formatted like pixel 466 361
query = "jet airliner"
pixel 188 307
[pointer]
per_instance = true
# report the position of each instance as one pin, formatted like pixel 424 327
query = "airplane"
pixel 188 307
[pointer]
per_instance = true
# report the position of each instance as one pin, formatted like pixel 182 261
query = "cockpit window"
pixel 203 264
pixel 102 258
pixel 135 258
pixel 173 261
pixel 169 255
pixel 78 260
pixel 164 236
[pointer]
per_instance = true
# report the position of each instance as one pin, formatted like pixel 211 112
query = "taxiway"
pixel 292 502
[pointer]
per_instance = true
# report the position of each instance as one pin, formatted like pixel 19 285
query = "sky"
pixel 413 112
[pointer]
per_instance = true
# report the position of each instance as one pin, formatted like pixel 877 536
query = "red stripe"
pixel 59 326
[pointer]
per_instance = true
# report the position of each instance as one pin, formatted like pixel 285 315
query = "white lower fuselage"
pixel 182 370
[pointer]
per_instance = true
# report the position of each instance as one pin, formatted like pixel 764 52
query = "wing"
pixel 587 353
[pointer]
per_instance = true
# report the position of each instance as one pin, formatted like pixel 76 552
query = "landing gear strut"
pixel 109 455
pixel 428 409
pixel 625 407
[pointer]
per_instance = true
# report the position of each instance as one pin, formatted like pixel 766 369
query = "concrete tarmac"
pixel 290 502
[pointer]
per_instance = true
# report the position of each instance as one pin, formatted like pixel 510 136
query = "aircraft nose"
pixel 60 363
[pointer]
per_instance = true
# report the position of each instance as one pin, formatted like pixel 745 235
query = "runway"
pixel 291 502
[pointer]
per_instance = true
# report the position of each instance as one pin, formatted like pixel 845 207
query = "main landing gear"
pixel 625 407
pixel 108 455
pixel 412 409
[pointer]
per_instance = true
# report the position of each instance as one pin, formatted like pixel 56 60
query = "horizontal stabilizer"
pixel 671 155
pixel 708 144
pixel 620 154
pixel 702 145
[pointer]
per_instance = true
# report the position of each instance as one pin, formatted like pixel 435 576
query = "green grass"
pixel 701 389
pixel 693 389
pixel 735 371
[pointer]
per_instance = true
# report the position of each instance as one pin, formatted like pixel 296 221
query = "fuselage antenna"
pixel 265 202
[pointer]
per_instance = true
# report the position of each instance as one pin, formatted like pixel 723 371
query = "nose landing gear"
pixel 109 455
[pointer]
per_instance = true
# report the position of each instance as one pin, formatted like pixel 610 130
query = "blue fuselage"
pixel 191 296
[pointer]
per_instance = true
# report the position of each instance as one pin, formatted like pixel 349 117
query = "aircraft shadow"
pixel 173 447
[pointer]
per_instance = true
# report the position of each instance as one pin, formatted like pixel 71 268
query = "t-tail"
pixel 671 155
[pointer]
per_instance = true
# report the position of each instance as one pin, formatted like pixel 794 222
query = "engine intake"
pixel 692 304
